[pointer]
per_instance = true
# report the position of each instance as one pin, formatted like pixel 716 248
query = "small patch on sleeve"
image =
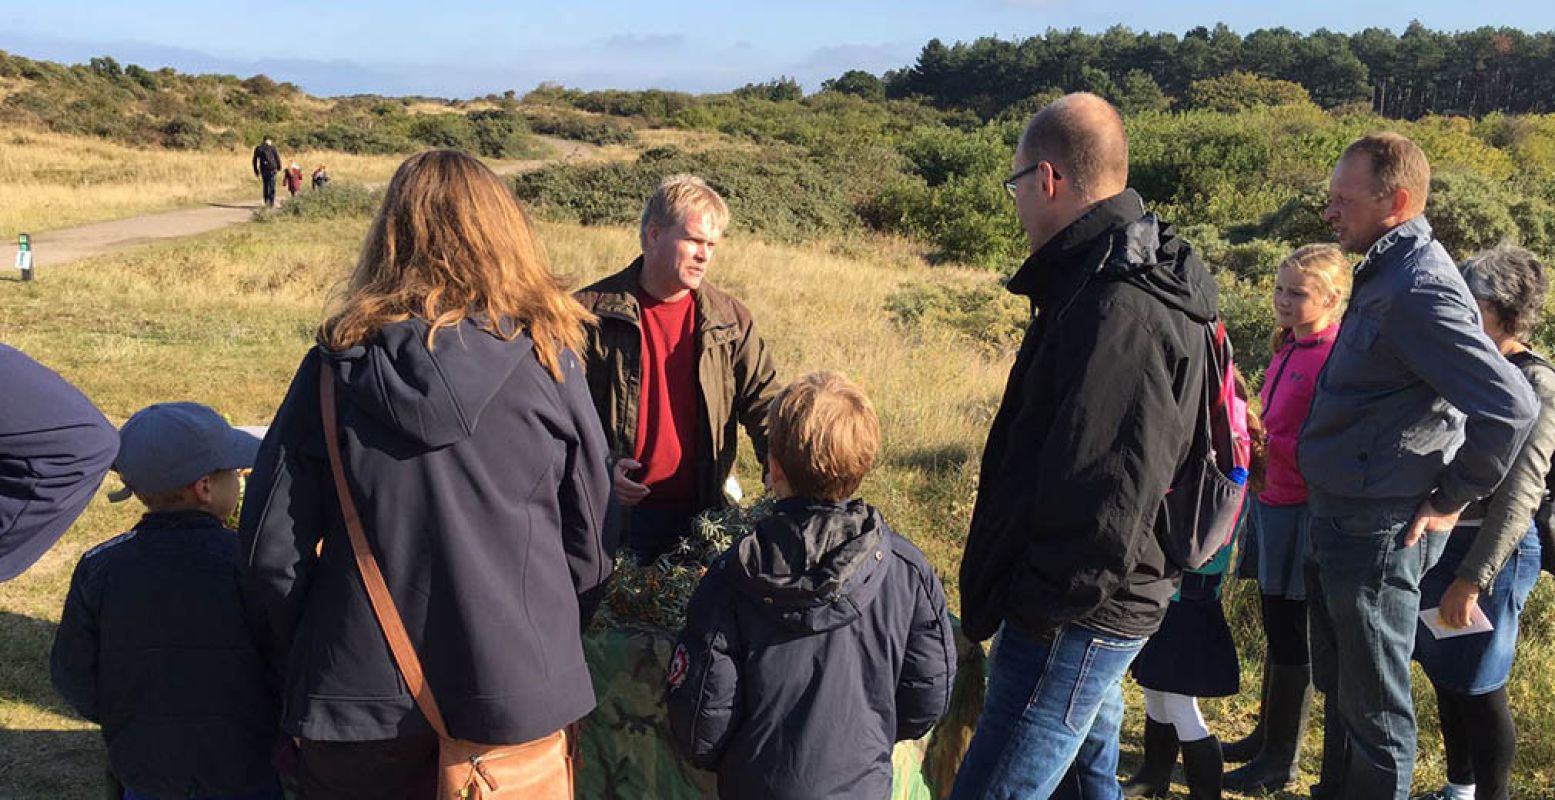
pixel 680 663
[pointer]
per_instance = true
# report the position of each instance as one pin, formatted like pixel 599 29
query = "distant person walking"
pixel 293 179
pixel 320 177
pixel 267 162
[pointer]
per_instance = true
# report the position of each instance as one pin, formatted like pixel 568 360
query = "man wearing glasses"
pixel 1062 560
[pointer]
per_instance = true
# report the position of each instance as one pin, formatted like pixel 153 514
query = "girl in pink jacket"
pixel 1310 290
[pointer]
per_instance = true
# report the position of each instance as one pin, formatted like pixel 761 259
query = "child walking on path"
pixel 293 179
pixel 1310 289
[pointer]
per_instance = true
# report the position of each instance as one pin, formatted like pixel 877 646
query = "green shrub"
pixel 449 131
pixel 580 127
pixel 1239 91
pixel 1300 219
pixel 1247 308
pixel 333 201
pixel 503 133
pixel 938 154
pixel 350 139
pixel 858 83
pixel 185 133
pixel 1468 213
pixel 777 90
pixel 776 193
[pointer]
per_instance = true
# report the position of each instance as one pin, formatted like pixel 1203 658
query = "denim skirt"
pixel 1284 537
pixel 1478 662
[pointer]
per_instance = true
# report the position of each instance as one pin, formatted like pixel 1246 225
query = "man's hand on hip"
pixel 1429 520
pixel 628 491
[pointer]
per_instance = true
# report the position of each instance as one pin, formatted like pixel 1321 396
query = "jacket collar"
pixel 618 300
pixel 1403 238
pixel 184 518
pixel 1057 263
pixel 1323 336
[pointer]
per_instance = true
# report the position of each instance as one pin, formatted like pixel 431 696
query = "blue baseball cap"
pixel 171 445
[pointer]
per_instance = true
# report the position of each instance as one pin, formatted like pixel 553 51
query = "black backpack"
pixel 1204 503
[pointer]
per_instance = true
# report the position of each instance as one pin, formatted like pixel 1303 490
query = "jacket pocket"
pixel 1358 333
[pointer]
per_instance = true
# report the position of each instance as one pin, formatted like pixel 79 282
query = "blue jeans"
pixel 1051 717
pixel 1363 595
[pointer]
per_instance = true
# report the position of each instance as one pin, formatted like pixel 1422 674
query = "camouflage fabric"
pixel 627 751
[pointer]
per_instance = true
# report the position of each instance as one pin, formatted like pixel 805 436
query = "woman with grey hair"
pixel 1492 558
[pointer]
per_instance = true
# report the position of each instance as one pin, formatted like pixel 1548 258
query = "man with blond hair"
pixel 1415 415
pixel 674 365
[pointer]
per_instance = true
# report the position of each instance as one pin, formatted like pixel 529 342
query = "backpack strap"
pixel 372 578
pixel 1223 366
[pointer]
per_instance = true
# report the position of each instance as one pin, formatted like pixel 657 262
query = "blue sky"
pixel 461 48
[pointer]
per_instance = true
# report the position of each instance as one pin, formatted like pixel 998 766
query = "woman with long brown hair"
pixel 475 462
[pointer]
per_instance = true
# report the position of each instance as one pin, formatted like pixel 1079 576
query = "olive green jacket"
pixel 735 378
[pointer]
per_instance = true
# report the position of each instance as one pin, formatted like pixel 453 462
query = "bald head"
pixel 1082 135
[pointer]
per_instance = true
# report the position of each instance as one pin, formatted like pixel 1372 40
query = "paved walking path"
pixel 58 247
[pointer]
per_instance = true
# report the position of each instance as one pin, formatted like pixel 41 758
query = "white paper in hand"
pixel 1478 623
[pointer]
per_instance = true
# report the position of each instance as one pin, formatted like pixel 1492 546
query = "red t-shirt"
pixel 667 408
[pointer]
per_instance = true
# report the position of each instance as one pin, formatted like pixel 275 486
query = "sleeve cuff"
pixel 1445 502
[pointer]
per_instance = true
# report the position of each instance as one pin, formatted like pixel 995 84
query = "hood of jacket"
pixel 433 397
pixel 814 566
pixel 1118 240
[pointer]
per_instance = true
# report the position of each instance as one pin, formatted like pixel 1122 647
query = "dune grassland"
pixel 871 235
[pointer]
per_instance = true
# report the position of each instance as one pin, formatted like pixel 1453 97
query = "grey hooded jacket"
pixel 1415 402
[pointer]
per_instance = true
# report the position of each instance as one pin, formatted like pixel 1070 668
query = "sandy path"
pixel 62 246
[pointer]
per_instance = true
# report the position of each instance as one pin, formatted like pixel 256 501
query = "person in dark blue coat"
pixel 477 462
pixel 154 643
pixel 55 448
pixel 819 640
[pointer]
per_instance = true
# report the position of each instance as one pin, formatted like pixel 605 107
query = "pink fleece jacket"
pixel 1288 385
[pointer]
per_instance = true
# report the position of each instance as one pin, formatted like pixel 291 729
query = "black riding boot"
pixel 1287 700
pixel 1201 768
pixel 1248 747
pixel 1154 778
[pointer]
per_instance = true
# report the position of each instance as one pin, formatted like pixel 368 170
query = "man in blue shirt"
pixel 1416 414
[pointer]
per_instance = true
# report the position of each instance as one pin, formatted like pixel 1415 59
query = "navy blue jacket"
pixel 154 646
pixel 55 448
pixel 1414 402
pixel 482 486
pixel 811 647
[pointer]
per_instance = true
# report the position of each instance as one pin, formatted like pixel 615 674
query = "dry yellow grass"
pixel 51 180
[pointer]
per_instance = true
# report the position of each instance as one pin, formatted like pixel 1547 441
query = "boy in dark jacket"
pixel 153 643
pixel 820 639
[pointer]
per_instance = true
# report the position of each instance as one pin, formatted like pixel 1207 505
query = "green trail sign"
pixel 24 255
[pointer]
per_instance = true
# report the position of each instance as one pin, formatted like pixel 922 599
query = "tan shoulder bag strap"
pixel 372 577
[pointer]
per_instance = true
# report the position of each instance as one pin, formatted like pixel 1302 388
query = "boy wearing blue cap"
pixel 153 643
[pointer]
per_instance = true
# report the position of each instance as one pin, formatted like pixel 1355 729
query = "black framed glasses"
pixel 1009 183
